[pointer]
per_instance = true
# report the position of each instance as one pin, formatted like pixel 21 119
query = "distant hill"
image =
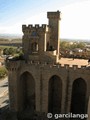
pixel 10 36
pixel 19 36
pixel 10 40
pixel 75 40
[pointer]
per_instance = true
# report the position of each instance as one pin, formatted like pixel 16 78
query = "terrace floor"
pixel 71 61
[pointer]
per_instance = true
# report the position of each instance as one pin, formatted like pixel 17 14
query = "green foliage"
pixel 80 45
pixel 5 51
pixel 67 45
pixel 18 56
pixel 3 72
pixel 64 45
pixel 9 51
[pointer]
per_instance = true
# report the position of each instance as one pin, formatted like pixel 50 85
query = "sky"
pixel 75 16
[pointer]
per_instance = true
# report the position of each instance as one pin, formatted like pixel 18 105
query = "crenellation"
pixel 24 26
pixel 30 26
pixel 53 15
pixel 36 26
pixel 75 67
pixel 14 65
pixel 66 66
pixel 44 26
pixel 84 66
pixel 27 29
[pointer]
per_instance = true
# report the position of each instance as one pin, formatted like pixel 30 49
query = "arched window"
pixel 34 47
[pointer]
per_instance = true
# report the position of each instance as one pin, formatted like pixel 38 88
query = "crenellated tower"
pixel 41 41
pixel 34 39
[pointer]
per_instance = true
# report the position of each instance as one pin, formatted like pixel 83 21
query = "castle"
pixel 39 82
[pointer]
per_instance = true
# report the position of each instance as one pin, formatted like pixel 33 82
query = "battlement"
pixel 14 65
pixel 35 27
pixel 53 15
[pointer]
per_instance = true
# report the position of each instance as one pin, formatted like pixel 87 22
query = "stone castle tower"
pixel 39 83
pixel 41 43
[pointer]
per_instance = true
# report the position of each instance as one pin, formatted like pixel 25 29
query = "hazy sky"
pixel 75 22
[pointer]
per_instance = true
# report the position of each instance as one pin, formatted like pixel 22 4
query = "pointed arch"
pixel 27 91
pixel 78 100
pixel 55 94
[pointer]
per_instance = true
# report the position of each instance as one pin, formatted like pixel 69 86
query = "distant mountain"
pixel 16 36
pixel 10 36
pixel 74 40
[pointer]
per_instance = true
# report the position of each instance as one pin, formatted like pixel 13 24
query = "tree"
pixel 5 51
pixel 64 45
pixel 3 72
pixel 9 51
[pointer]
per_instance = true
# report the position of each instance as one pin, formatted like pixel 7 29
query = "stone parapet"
pixel 43 28
pixel 53 15
pixel 16 64
pixel 12 65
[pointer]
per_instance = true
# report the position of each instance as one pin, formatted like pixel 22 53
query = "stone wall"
pixel 42 74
